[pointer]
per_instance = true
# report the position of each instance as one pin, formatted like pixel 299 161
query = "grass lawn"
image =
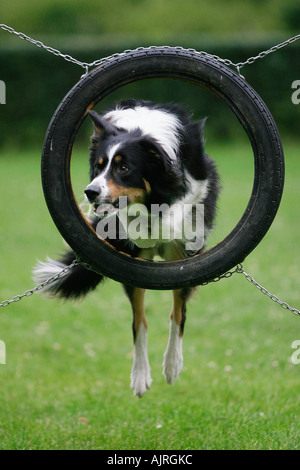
pixel 65 384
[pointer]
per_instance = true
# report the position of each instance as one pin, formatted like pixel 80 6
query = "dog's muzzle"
pixel 92 192
pixel 102 205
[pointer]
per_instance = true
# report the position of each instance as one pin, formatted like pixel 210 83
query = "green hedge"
pixel 36 82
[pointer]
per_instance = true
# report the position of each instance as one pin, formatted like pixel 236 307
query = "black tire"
pixel 252 114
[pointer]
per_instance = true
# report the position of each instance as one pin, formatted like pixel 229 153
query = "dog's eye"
pixel 123 168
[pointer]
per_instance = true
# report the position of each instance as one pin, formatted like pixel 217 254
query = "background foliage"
pixel 37 81
pixel 154 17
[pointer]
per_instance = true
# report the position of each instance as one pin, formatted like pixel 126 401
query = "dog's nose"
pixel 92 192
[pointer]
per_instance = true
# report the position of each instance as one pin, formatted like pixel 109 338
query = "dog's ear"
pixel 193 154
pixel 101 125
pixel 156 153
pixel 195 134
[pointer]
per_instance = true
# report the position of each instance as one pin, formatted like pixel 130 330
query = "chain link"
pixel 56 52
pixel 264 291
pixel 239 269
pixel 269 51
pixel 226 275
pixel 96 63
pixel 40 286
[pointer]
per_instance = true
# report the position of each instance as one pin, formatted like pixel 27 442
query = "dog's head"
pixel 127 164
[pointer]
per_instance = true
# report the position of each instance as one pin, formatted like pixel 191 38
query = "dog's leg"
pixel 173 358
pixel 140 373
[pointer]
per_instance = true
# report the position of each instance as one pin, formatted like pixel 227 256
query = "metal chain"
pixel 269 51
pixel 264 291
pixel 239 269
pixel 226 275
pixel 56 52
pixel 40 286
pixel 87 65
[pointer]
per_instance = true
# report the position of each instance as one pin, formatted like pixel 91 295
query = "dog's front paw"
pixel 140 378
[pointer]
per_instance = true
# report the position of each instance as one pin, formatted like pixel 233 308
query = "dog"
pixel 148 154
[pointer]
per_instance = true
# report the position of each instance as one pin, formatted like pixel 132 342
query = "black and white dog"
pixel 152 154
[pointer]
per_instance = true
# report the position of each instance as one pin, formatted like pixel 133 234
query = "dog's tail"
pixel 73 284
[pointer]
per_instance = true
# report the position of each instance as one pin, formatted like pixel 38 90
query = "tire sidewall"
pixel 249 109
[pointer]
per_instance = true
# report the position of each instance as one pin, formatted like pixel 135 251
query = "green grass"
pixel 66 381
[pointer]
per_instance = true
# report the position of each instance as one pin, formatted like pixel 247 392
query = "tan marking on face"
pixel 133 194
pixel 147 186
pixel 118 158
pixel 100 161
